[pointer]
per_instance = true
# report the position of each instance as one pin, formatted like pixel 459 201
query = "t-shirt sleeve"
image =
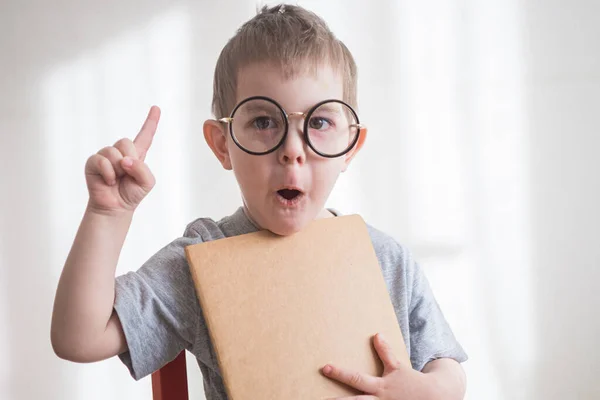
pixel 158 309
pixel 431 337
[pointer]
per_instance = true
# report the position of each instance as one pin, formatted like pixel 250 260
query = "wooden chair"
pixel 170 382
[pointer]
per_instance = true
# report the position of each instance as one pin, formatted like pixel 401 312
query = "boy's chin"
pixel 287 225
pixel 286 228
pixel 282 222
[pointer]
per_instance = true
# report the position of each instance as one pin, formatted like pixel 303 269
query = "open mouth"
pixel 289 196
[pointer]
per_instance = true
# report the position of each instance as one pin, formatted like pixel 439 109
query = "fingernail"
pixel 380 336
pixel 127 162
pixel 327 369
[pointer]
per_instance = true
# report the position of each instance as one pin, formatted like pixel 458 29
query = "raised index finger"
pixel 143 140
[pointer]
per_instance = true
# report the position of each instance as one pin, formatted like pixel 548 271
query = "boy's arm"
pixel 450 378
pixel 84 326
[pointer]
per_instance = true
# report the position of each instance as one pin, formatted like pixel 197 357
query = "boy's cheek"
pixel 239 161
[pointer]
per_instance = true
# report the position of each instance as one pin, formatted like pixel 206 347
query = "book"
pixel 278 308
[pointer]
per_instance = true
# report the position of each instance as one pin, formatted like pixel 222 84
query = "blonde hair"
pixel 289 36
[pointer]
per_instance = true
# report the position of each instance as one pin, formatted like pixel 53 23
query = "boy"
pixel 284 99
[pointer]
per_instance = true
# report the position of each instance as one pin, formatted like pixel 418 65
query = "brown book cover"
pixel 278 308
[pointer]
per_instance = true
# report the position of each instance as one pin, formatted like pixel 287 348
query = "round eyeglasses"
pixel 259 125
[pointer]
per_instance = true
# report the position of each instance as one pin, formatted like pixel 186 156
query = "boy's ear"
pixel 216 137
pixel 362 136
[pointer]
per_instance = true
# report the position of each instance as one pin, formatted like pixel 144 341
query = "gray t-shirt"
pixel 161 315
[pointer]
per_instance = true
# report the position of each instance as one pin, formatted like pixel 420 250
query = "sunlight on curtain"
pixel 4 334
pixel 91 102
pixel 467 175
pixel 500 194
pixel 432 120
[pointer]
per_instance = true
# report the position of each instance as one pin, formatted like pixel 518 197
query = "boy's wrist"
pixel 110 214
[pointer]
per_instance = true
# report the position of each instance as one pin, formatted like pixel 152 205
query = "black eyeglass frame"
pixel 306 116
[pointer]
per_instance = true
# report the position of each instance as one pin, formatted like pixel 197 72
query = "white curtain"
pixel 481 158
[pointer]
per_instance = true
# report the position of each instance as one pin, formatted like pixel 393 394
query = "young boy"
pixel 284 98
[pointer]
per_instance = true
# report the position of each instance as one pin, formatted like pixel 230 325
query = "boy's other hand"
pixel 117 177
pixel 399 380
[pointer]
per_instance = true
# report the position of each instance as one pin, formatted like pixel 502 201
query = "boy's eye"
pixel 262 123
pixel 318 123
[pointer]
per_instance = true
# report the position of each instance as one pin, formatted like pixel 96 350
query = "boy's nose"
pixel 293 150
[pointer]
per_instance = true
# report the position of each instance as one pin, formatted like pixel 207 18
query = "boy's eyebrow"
pixel 259 107
pixel 331 107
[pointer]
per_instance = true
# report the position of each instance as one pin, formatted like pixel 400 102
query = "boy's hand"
pixel 117 177
pixel 399 381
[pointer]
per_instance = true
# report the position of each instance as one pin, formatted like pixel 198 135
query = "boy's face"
pixel 268 182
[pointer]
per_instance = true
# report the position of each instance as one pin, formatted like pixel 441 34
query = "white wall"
pixel 483 120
